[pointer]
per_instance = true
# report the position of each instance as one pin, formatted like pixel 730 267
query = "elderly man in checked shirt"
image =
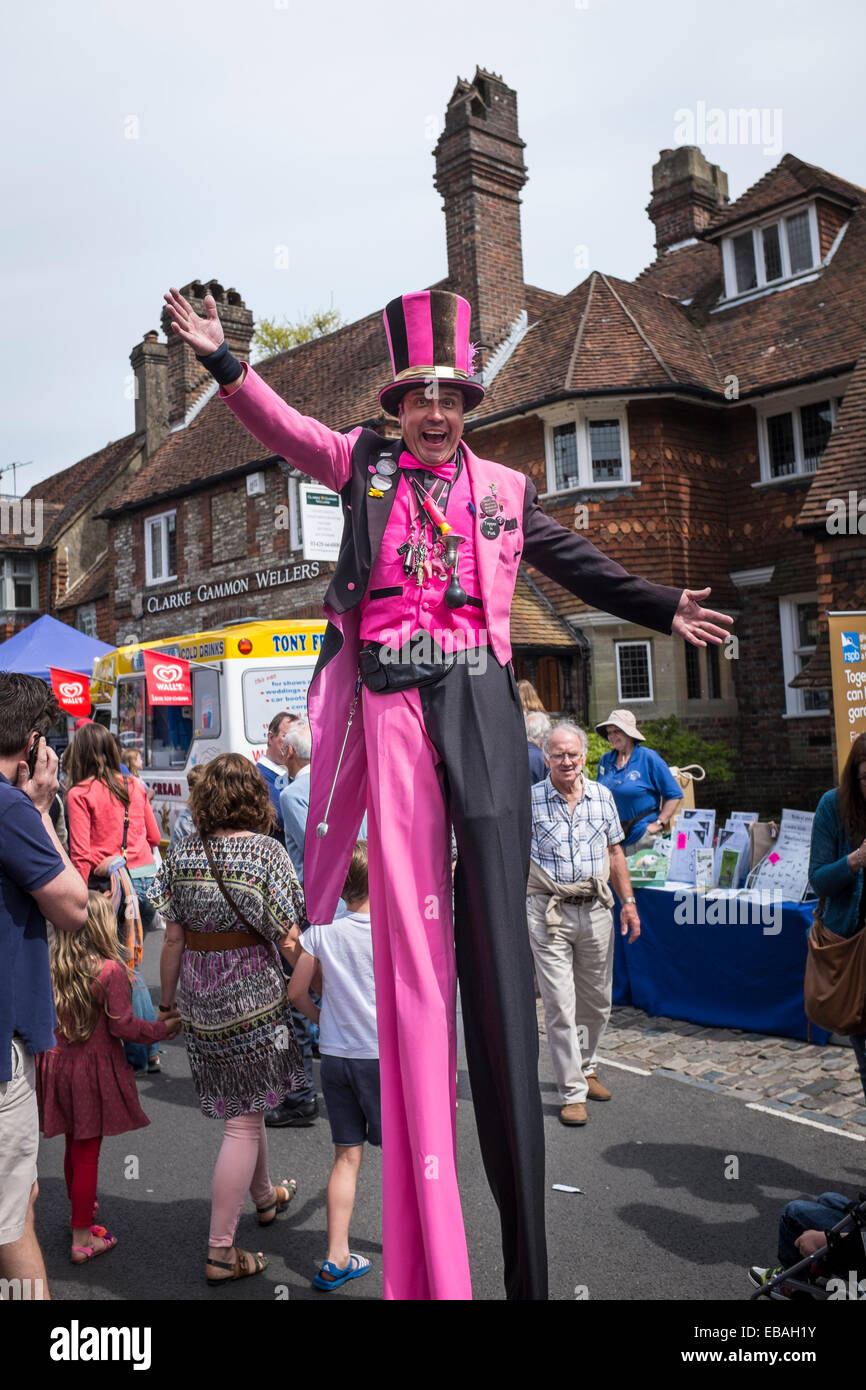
pixel 576 847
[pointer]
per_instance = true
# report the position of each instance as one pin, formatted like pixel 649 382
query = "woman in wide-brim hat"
pixel 639 779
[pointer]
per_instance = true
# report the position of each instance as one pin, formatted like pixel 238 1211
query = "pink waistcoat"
pixel 327 456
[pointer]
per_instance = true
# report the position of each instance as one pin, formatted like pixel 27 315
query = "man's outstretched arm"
pixel 308 444
pixel 583 569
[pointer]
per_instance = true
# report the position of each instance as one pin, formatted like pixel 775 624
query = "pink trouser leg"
pixel 409 848
pixel 241 1167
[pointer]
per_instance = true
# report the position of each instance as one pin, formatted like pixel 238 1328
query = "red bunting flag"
pixel 72 690
pixel 167 679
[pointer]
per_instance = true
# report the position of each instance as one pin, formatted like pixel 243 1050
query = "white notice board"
pixel 321 522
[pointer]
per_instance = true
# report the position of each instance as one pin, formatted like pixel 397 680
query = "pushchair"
pixel 843 1255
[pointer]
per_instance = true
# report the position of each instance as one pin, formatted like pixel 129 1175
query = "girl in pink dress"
pixel 85 1086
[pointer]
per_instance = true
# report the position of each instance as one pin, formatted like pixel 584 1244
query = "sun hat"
pixel 624 720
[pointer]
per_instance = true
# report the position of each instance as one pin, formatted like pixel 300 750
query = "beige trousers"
pixel 574 968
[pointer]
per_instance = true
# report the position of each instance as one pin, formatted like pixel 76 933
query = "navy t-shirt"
pixel 639 787
pixel 28 860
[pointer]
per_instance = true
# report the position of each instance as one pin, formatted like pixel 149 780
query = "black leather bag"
pixel 384 668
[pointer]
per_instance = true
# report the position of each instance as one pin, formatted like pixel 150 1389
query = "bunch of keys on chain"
pixel 440 557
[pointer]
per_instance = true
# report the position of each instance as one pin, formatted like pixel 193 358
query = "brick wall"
pixel 222 535
pixel 830 219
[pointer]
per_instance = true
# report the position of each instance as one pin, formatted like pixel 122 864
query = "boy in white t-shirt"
pixel 349 1049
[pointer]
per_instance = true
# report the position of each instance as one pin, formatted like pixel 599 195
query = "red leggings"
pixel 80 1169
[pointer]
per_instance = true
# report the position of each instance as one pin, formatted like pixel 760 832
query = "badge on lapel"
pixel 491 507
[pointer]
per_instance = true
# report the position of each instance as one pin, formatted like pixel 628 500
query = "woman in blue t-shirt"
pixel 639 780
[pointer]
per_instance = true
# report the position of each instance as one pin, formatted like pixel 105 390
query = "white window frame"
pixel 7 589
pixel 634 699
pixel 161 520
pixel 791 404
pixel 580 416
pixel 795 704
pixel 86 613
pixel 757 230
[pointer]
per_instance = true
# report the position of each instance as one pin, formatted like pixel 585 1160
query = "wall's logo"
pixel 71 690
pixel 851 647
pixel 168 673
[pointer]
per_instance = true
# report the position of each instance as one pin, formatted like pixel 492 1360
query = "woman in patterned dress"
pixel 221 960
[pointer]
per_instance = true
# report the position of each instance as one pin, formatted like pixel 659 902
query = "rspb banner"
pixel 848 666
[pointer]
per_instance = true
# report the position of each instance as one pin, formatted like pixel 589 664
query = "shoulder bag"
pixel 834 987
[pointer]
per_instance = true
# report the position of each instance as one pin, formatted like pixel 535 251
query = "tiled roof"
pixel 336 379
pixel 843 465
pixel 692 273
pixel 91 585
pixel 533 620
pixel 607 334
pixel 791 178
pixel 66 493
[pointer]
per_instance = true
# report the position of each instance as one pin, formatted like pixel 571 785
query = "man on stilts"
pixel 416 719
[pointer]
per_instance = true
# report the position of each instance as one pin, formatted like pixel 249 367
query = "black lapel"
pixel 379 508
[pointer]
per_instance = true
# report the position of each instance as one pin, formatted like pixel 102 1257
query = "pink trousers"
pixel 241 1167
pixel 409 847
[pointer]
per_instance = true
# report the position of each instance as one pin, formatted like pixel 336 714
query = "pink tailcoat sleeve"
pixel 302 441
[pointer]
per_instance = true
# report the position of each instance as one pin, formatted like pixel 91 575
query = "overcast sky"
pixel 264 123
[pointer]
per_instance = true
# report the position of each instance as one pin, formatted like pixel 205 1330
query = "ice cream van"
pixel 241 675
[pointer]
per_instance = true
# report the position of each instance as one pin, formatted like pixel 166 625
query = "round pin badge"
pixel 383 483
pixel 489 529
pixel 489 506
pixel 387 467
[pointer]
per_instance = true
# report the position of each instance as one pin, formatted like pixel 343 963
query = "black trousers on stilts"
pixel 475 722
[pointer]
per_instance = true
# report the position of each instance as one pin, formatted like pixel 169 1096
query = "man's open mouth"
pixel 434 437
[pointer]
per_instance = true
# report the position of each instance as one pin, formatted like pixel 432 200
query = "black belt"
pixel 397 589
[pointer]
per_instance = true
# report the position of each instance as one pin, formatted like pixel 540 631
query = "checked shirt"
pixel 571 847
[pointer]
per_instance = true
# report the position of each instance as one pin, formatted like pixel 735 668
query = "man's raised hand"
pixel 696 624
pixel 204 335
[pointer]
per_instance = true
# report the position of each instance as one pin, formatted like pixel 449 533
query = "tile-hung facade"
pixel 693 423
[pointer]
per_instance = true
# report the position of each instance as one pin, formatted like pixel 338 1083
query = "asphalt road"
pixel 657 1219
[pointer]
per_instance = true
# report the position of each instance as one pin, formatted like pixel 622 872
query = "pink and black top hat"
pixel 428 338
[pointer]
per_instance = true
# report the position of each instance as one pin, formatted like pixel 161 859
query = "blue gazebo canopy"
pixel 50 643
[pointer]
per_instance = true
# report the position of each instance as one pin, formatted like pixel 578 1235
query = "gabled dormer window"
pixel 771 252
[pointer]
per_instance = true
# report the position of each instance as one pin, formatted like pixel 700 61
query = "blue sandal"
pixel 354 1269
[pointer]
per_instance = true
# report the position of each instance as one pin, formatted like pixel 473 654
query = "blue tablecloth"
pixel 734 974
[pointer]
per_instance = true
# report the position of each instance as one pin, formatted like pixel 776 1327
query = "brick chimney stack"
pixel 688 191
pixel 187 378
pixel 479 173
pixel 149 360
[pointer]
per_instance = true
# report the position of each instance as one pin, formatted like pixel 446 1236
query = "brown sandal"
pixel 259 1260
pixel 279 1204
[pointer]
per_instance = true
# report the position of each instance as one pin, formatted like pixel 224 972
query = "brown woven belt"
pixel 221 940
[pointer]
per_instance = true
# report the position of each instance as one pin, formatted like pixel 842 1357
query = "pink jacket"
pixel 95 820
pixel 338 461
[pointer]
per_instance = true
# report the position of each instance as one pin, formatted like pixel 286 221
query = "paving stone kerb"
pixel 821 1083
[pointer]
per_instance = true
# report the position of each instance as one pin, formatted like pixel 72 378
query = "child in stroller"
pixel 830 1237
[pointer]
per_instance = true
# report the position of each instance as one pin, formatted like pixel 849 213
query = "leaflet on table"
pixel 682 866
pixel 746 817
pixel 704 878
pixel 700 823
pixel 733 853
pixel 785 870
